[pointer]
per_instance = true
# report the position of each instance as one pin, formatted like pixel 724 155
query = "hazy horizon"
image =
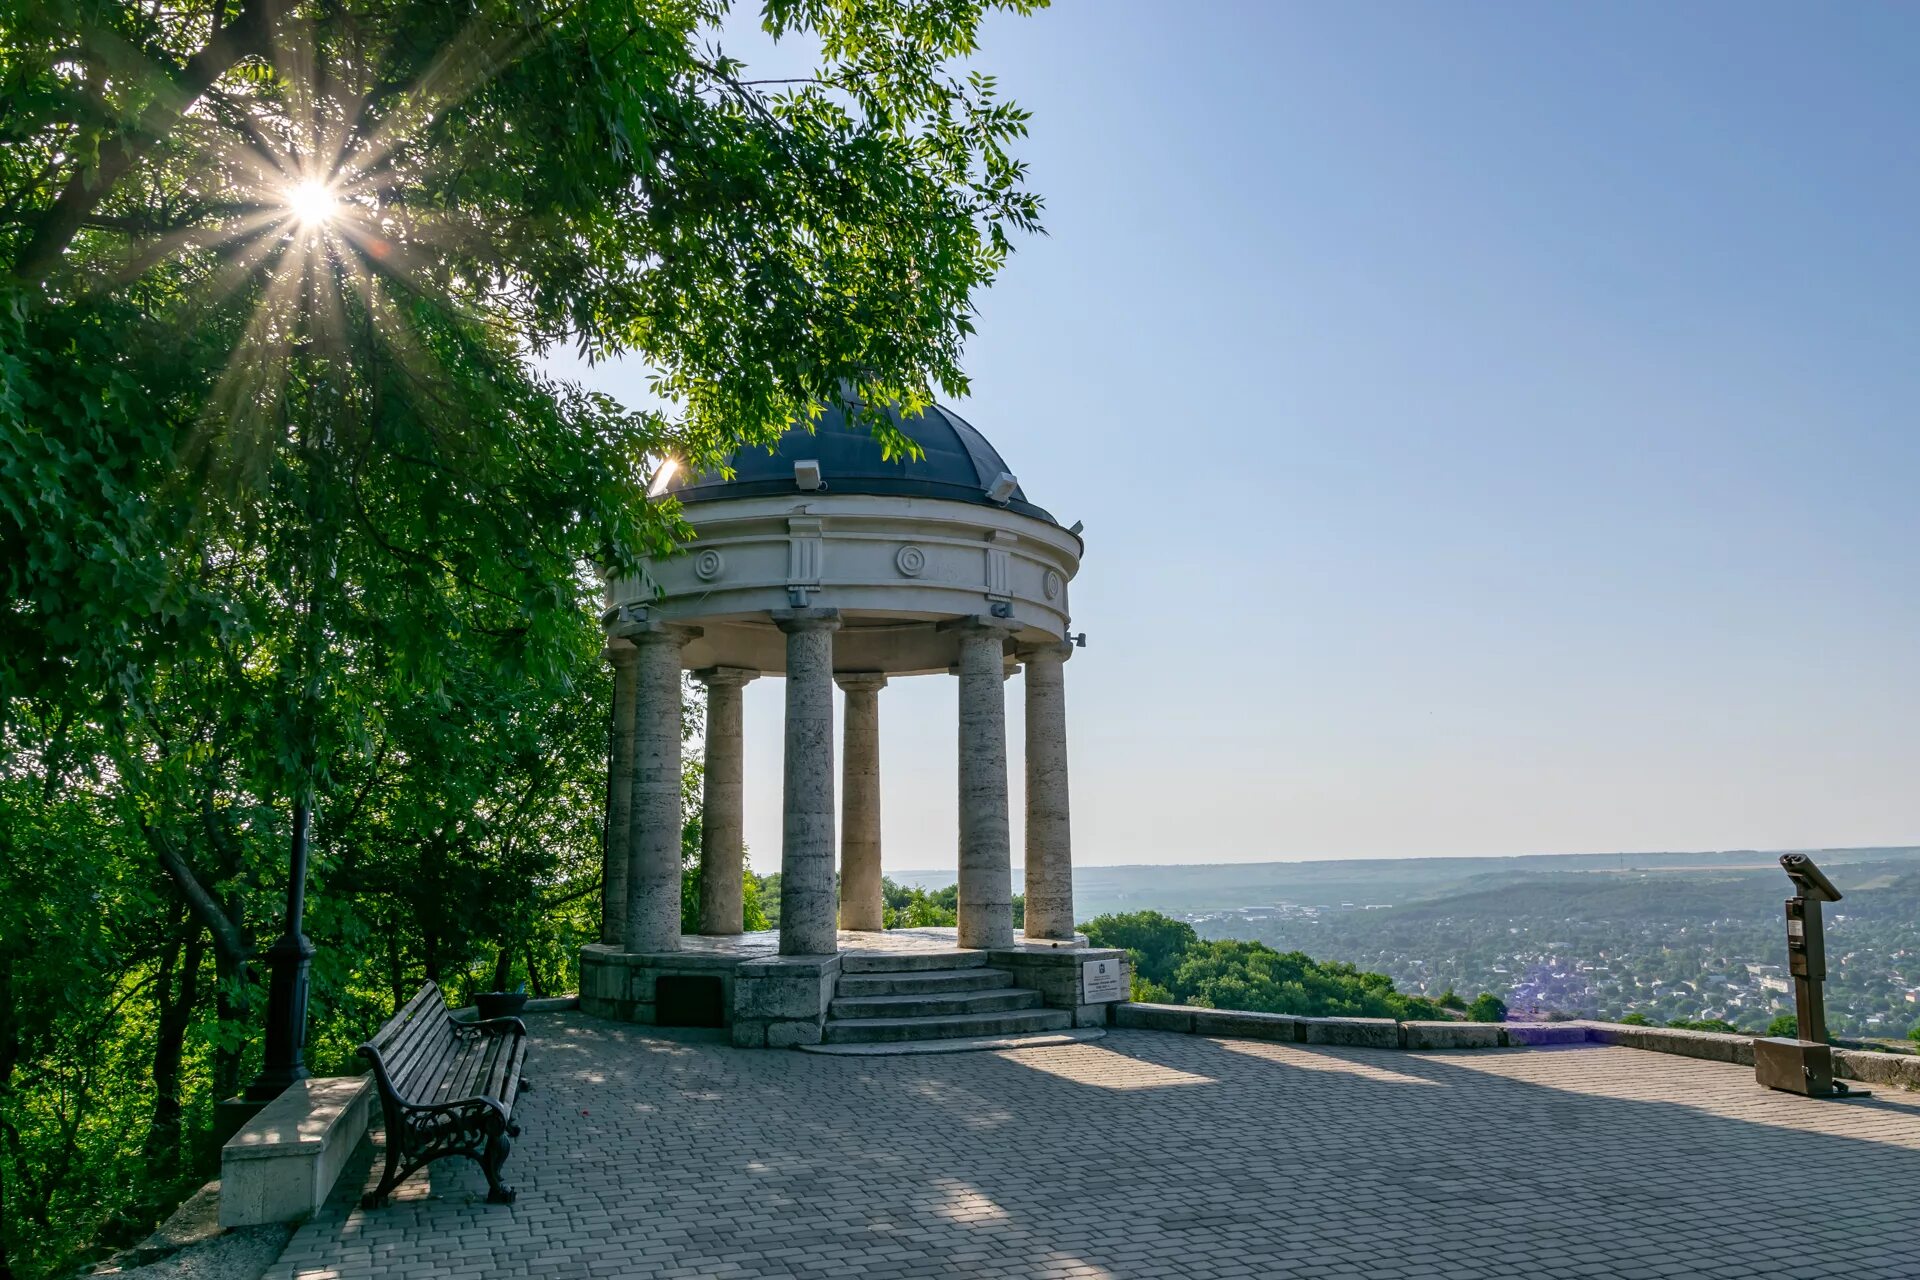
pixel 1493 427
pixel 1844 850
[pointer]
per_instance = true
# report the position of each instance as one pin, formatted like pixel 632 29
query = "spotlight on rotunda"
pixel 806 474
pixel 663 476
pixel 1001 490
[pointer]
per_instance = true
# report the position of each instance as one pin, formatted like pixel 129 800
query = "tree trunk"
pixel 230 1007
pixel 175 1014
pixel 9 1054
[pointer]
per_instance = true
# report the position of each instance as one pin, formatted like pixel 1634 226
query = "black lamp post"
pixel 288 960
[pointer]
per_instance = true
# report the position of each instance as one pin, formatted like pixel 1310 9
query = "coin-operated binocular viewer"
pixel 1804 1065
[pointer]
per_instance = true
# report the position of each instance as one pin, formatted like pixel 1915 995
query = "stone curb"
pixel 1892 1069
pixel 1901 1071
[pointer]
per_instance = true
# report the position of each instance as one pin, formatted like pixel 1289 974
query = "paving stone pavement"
pixel 660 1154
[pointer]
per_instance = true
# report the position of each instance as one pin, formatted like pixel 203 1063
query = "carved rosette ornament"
pixel 911 561
pixel 1053 584
pixel 709 564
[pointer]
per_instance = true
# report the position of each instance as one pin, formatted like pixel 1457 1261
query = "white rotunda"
pixel 826 563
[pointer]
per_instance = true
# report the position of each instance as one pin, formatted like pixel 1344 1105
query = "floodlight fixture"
pixel 663 476
pixel 1077 528
pixel 806 474
pixel 1001 490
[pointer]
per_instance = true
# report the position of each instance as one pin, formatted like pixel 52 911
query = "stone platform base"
pixel 773 1001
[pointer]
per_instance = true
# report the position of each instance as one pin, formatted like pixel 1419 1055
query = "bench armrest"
pixel 490 1027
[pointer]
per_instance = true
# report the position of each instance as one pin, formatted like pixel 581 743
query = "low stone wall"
pixel 1709 1045
pixel 1893 1070
pixel 282 1164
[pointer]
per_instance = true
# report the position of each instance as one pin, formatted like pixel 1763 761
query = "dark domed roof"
pixel 958 464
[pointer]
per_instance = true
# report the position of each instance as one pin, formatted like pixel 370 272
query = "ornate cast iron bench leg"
pixel 499 1147
pixel 391 1176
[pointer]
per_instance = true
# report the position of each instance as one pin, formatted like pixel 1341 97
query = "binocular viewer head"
pixel 1808 880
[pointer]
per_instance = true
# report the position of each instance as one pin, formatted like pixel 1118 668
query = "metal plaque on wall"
pixel 1102 980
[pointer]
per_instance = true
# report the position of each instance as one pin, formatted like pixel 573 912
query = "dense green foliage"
pixel 1487 1007
pixel 909 907
pixel 1172 964
pixel 293 529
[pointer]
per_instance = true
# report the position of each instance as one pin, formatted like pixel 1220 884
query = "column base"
pixel 782 1002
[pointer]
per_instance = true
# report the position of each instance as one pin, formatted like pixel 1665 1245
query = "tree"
pixel 1172 964
pixel 1785 1024
pixel 1635 1020
pixel 1155 944
pixel 1719 1026
pixel 293 527
pixel 1487 1007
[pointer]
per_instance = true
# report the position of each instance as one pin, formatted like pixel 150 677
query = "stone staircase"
pixel 885 1003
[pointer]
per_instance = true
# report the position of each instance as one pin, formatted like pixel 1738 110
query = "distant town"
pixel 1668 936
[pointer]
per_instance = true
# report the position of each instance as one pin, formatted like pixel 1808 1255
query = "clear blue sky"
pixel 1497 429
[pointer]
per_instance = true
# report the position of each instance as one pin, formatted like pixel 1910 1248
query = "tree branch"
pixel 248 35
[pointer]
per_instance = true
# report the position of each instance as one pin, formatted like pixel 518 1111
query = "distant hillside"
pixel 1207 887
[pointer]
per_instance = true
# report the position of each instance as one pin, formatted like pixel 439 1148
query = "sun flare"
pixel 312 203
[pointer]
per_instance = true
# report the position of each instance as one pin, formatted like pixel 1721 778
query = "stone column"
pixel 861 903
pixel 722 827
pixel 807 913
pixel 613 871
pixel 986 856
pixel 1049 856
pixel 653 849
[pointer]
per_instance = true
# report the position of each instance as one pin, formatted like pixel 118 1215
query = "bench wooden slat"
pixel 456 1078
pixel 473 1077
pixel 418 1040
pixel 422 1080
pixel 509 1088
pixel 491 1078
pixel 403 1017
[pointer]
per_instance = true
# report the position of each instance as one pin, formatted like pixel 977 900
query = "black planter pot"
pixel 500 1004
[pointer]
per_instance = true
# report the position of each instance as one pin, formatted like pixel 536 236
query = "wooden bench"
pixel 447 1088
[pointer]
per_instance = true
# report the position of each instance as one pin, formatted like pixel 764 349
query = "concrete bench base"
pixel 283 1163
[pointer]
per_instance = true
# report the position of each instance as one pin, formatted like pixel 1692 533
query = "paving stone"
pixel 655 1153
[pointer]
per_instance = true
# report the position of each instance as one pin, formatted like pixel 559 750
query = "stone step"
pixel 947 1026
pixel 931 982
pixel 910 961
pixel 960 1044
pixel 933 1006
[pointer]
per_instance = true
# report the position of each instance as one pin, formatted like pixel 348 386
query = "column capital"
pixel 1008 670
pixel 636 628
pixel 799 620
pixel 976 623
pixel 726 677
pixel 861 681
pixel 1050 651
pixel 619 653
